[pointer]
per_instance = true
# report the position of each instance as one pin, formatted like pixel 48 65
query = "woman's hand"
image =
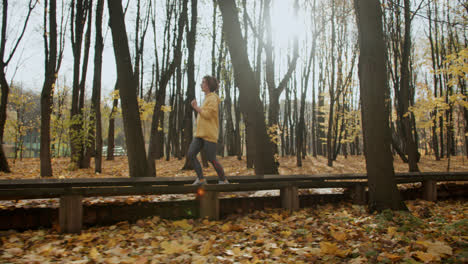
pixel 194 104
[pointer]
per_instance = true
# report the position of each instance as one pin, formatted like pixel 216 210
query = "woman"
pixel 206 134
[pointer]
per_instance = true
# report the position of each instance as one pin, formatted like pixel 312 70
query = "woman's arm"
pixel 195 106
pixel 208 110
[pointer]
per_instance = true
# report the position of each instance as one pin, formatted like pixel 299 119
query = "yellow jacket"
pixel 208 120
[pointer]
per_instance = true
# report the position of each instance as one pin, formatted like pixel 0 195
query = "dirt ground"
pixel 29 168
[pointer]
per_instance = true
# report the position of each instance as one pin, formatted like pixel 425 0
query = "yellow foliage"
pixel 146 109
pixel 115 94
pixel 166 108
pixel 456 66
pixel 274 133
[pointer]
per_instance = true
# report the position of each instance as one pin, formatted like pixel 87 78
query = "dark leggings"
pixel 210 151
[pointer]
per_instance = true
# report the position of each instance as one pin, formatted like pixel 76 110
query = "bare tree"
pixel 111 130
pixel 79 12
pixel 404 95
pixel 4 61
pixel 53 62
pixel 250 102
pixel 86 144
pixel 141 23
pixel 137 162
pixel 157 136
pixel 96 96
pixel 274 91
pixel 190 93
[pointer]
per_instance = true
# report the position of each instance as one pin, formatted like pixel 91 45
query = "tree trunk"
pixel 293 123
pixel 49 83
pixel 383 192
pixel 274 91
pixel 404 98
pixel 435 143
pixel 238 139
pixel 87 144
pixel 138 166
pixel 77 28
pixel 111 130
pixel 314 115
pixel 188 120
pixel 305 83
pixel 331 92
pixel 172 115
pixel 249 89
pixel 5 88
pixel 321 115
pixel 96 96
pixel 286 126
pixel 230 130
pixel 158 115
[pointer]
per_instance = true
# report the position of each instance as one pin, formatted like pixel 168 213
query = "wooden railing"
pixel 72 191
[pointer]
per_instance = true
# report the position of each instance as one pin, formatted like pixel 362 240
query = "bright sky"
pixel 28 64
pixel 27 67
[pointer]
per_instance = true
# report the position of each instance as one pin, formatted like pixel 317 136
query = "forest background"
pixel 304 55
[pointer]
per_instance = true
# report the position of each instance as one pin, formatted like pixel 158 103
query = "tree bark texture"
pixel 383 192
pixel 251 104
pixel 138 166
pixel 96 95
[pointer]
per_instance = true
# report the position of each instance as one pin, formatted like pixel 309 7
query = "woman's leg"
pixel 194 148
pixel 210 150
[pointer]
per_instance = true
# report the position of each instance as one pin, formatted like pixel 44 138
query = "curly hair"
pixel 212 82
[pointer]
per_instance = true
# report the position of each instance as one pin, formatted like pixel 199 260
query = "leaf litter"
pixel 331 233
pixel 338 233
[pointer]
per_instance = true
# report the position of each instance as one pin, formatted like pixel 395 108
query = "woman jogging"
pixel 206 134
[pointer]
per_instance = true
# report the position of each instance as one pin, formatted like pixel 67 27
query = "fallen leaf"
pixel 327 248
pixel 340 236
pixel 277 252
pixel 437 248
pixel 426 257
pixel 206 248
pixel 358 260
pixel 94 254
pixel 183 224
pixel 390 256
pixel 173 247
pixel 226 227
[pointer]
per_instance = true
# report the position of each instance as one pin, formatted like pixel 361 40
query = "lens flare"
pixel 200 192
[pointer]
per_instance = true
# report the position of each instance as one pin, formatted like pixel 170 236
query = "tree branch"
pixel 32 5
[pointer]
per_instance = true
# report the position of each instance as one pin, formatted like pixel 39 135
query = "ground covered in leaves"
pixel 29 168
pixel 341 233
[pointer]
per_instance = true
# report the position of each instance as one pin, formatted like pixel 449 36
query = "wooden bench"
pixel 72 191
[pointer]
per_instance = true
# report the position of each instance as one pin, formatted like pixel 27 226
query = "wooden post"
pixel 71 214
pixel 289 198
pixel 429 190
pixel 209 204
pixel 358 194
